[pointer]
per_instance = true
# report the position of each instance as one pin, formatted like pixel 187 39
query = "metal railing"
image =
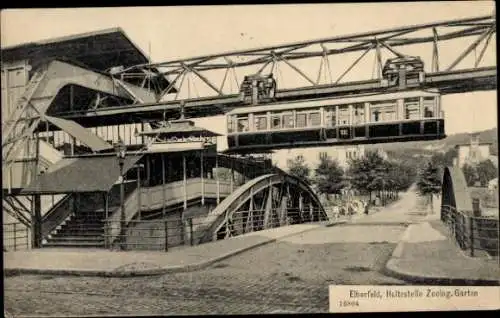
pixel 15 236
pixel 173 231
pixel 472 233
pixel 153 198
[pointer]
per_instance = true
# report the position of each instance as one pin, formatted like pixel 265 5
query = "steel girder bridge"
pixel 469 39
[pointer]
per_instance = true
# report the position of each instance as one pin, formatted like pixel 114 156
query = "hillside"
pixel 490 135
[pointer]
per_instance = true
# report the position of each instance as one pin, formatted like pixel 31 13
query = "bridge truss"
pixel 454 55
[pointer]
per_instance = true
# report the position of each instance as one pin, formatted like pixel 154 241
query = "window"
pixel 429 107
pixel 389 114
pixel 330 116
pixel 301 120
pixel 261 123
pixel 359 114
pixel 242 124
pixel 276 122
pixel 412 108
pixel 314 119
pixel 343 115
pixel 288 121
pixel 383 111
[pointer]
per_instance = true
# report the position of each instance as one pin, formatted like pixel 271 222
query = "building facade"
pixel 473 152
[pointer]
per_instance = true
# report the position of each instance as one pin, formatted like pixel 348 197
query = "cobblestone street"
pixel 291 275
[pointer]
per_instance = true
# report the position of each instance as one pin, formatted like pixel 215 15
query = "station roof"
pixel 180 128
pixel 99 50
pixel 82 174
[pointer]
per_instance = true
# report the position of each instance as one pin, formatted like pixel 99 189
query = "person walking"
pixel 367 208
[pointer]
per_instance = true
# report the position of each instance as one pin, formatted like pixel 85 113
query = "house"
pixel 343 155
pixel 473 152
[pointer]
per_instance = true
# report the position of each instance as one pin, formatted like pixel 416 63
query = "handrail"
pixel 131 202
pixel 56 216
pixel 470 232
pixel 55 207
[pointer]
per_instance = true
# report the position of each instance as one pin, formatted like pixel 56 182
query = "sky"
pixel 166 33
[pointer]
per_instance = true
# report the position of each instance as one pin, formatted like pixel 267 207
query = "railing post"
pixel 191 231
pixel 15 235
pixel 166 234
pixel 471 235
pixel 26 233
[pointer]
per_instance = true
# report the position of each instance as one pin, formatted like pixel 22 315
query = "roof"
pixel 482 143
pixel 93 141
pixel 178 147
pixel 180 128
pixel 84 174
pixel 98 50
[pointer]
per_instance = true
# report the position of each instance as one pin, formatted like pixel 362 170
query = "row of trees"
pixel 480 174
pixel 369 174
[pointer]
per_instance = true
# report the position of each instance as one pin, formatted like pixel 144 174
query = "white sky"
pixel 179 32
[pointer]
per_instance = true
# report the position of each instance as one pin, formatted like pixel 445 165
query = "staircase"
pixel 85 228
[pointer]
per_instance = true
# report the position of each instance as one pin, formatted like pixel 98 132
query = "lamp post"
pixel 120 155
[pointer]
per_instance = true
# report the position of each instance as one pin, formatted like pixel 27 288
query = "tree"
pixel 299 168
pixel 449 155
pixel 442 160
pixel 469 174
pixel 368 173
pixel 429 182
pixel 329 176
pixel 405 175
pixel 486 171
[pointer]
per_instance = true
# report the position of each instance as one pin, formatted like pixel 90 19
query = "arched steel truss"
pixel 268 201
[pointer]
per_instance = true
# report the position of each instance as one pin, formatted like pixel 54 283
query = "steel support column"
pixel 184 179
pixel 37 221
pixel 202 179
pixel 217 177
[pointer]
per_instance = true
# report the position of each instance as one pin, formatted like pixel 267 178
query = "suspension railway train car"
pixel 388 117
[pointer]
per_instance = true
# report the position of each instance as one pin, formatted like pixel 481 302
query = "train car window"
pixel 242 124
pixel 276 122
pixel 315 119
pixel 330 116
pixel 429 107
pixel 301 120
pixel 412 108
pixel 343 115
pixel 261 123
pixel 383 111
pixel 288 121
pixel 359 114
pixel 388 113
